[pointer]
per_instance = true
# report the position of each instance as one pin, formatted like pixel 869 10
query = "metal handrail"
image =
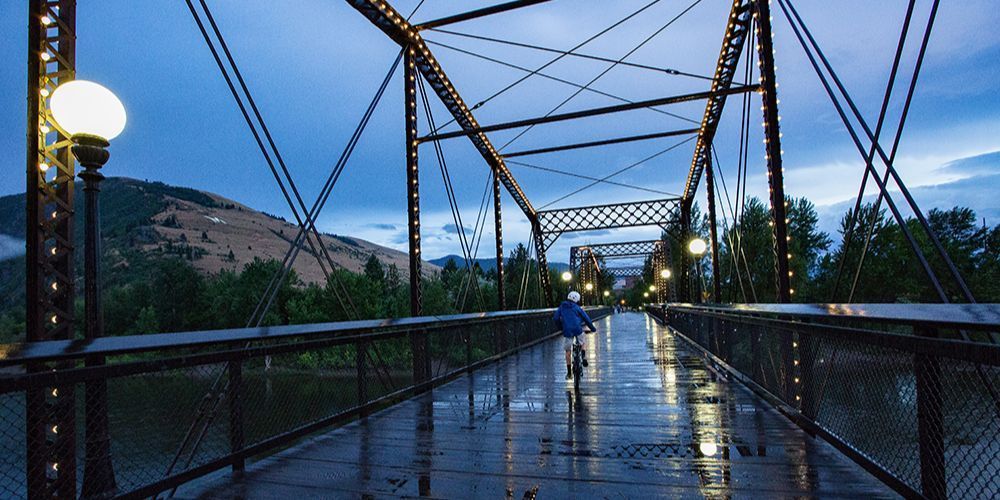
pixel 788 353
pixel 234 356
pixel 24 352
pixel 974 352
pixel 966 316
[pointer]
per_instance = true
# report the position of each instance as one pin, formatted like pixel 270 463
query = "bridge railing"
pixel 181 405
pixel 911 392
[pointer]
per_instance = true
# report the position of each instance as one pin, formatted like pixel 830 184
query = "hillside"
pixel 150 220
pixel 488 264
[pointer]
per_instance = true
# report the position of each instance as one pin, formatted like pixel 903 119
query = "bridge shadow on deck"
pixel 651 420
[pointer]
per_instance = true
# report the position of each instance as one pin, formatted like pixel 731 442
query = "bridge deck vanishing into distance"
pixel 651 420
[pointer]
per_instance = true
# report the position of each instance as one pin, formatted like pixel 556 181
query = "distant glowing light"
pixel 697 246
pixel 709 449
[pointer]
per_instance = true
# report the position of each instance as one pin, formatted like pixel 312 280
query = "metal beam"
pixel 473 14
pixel 772 144
pixel 737 30
pixel 412 181
pixel 543 264
pixel 625 272
pixel 554 223
pixel 713 232
pixel 618 108
pixel 605 142
pixel 498 232
pixel 623 249
pixel 50 286
pixel 386 18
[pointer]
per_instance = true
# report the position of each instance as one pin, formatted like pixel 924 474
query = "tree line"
pixel 169 295
pixel 879 266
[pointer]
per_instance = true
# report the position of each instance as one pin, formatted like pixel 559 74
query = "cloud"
pixel 400 238
pixel 586 234
pixel 453 229
pixel 381 226
pixel 967 182
pixel 10 247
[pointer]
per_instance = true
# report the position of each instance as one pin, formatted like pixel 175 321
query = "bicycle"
pixel 577 365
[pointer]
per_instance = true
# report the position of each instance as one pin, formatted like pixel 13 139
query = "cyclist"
pixel 570 317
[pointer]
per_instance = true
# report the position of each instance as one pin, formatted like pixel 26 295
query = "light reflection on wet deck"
pixel 651 420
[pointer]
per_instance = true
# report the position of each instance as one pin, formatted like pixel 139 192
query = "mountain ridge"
pixel 488 264
pixel 150 220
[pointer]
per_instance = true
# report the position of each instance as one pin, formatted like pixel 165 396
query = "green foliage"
pixel 146 293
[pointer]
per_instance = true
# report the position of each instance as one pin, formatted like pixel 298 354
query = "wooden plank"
pixel 650 420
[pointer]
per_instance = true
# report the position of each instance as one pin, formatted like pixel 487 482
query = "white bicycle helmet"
pixel 574 296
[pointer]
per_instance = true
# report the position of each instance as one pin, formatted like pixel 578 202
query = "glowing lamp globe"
pixel 83 107
pixel 665 273
pixel 709 449
pixel 566 276
pixel 697 246
pixel 652 288
pixel 607 293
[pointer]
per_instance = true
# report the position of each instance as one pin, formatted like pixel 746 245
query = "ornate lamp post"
pixel 697 247
pixel 92 116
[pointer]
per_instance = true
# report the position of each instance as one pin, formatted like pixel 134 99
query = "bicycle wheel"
pixel 577 367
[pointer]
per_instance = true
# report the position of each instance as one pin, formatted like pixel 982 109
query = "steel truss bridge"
pixel 933 402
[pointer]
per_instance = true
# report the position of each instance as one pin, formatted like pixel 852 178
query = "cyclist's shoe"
pixel 583 361
pixel 569 373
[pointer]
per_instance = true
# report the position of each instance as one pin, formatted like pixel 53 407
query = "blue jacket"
pixel 571 318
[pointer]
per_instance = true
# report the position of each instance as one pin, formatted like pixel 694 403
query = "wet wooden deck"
pixel 651 420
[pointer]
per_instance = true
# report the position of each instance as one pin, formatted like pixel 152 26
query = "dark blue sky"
pixel 313 66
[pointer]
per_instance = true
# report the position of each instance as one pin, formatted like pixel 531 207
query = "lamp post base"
pixel 98 470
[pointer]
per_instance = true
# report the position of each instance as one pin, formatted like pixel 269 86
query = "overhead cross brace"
pixel 716 94
pixel 620 250
pixel 553 223
pixel 604 142
pixel 473 14
pixel 393 24
pixel 624 272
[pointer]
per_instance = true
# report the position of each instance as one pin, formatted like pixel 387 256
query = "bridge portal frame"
pixel 658 250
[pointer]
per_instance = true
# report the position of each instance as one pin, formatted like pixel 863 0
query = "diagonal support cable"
pixel 556 79
pixel 606 70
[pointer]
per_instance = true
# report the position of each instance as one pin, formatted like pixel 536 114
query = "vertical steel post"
pixel 498 230
pixel 543 263
pixel 49 291
pixel 412 181
pixel 418 339
pixel 685 270
pixel 713 230
pixel 668 257
pixel 772 141
pixel 234 392
pixel 930 423
pixel 361 367
pixel 659 259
